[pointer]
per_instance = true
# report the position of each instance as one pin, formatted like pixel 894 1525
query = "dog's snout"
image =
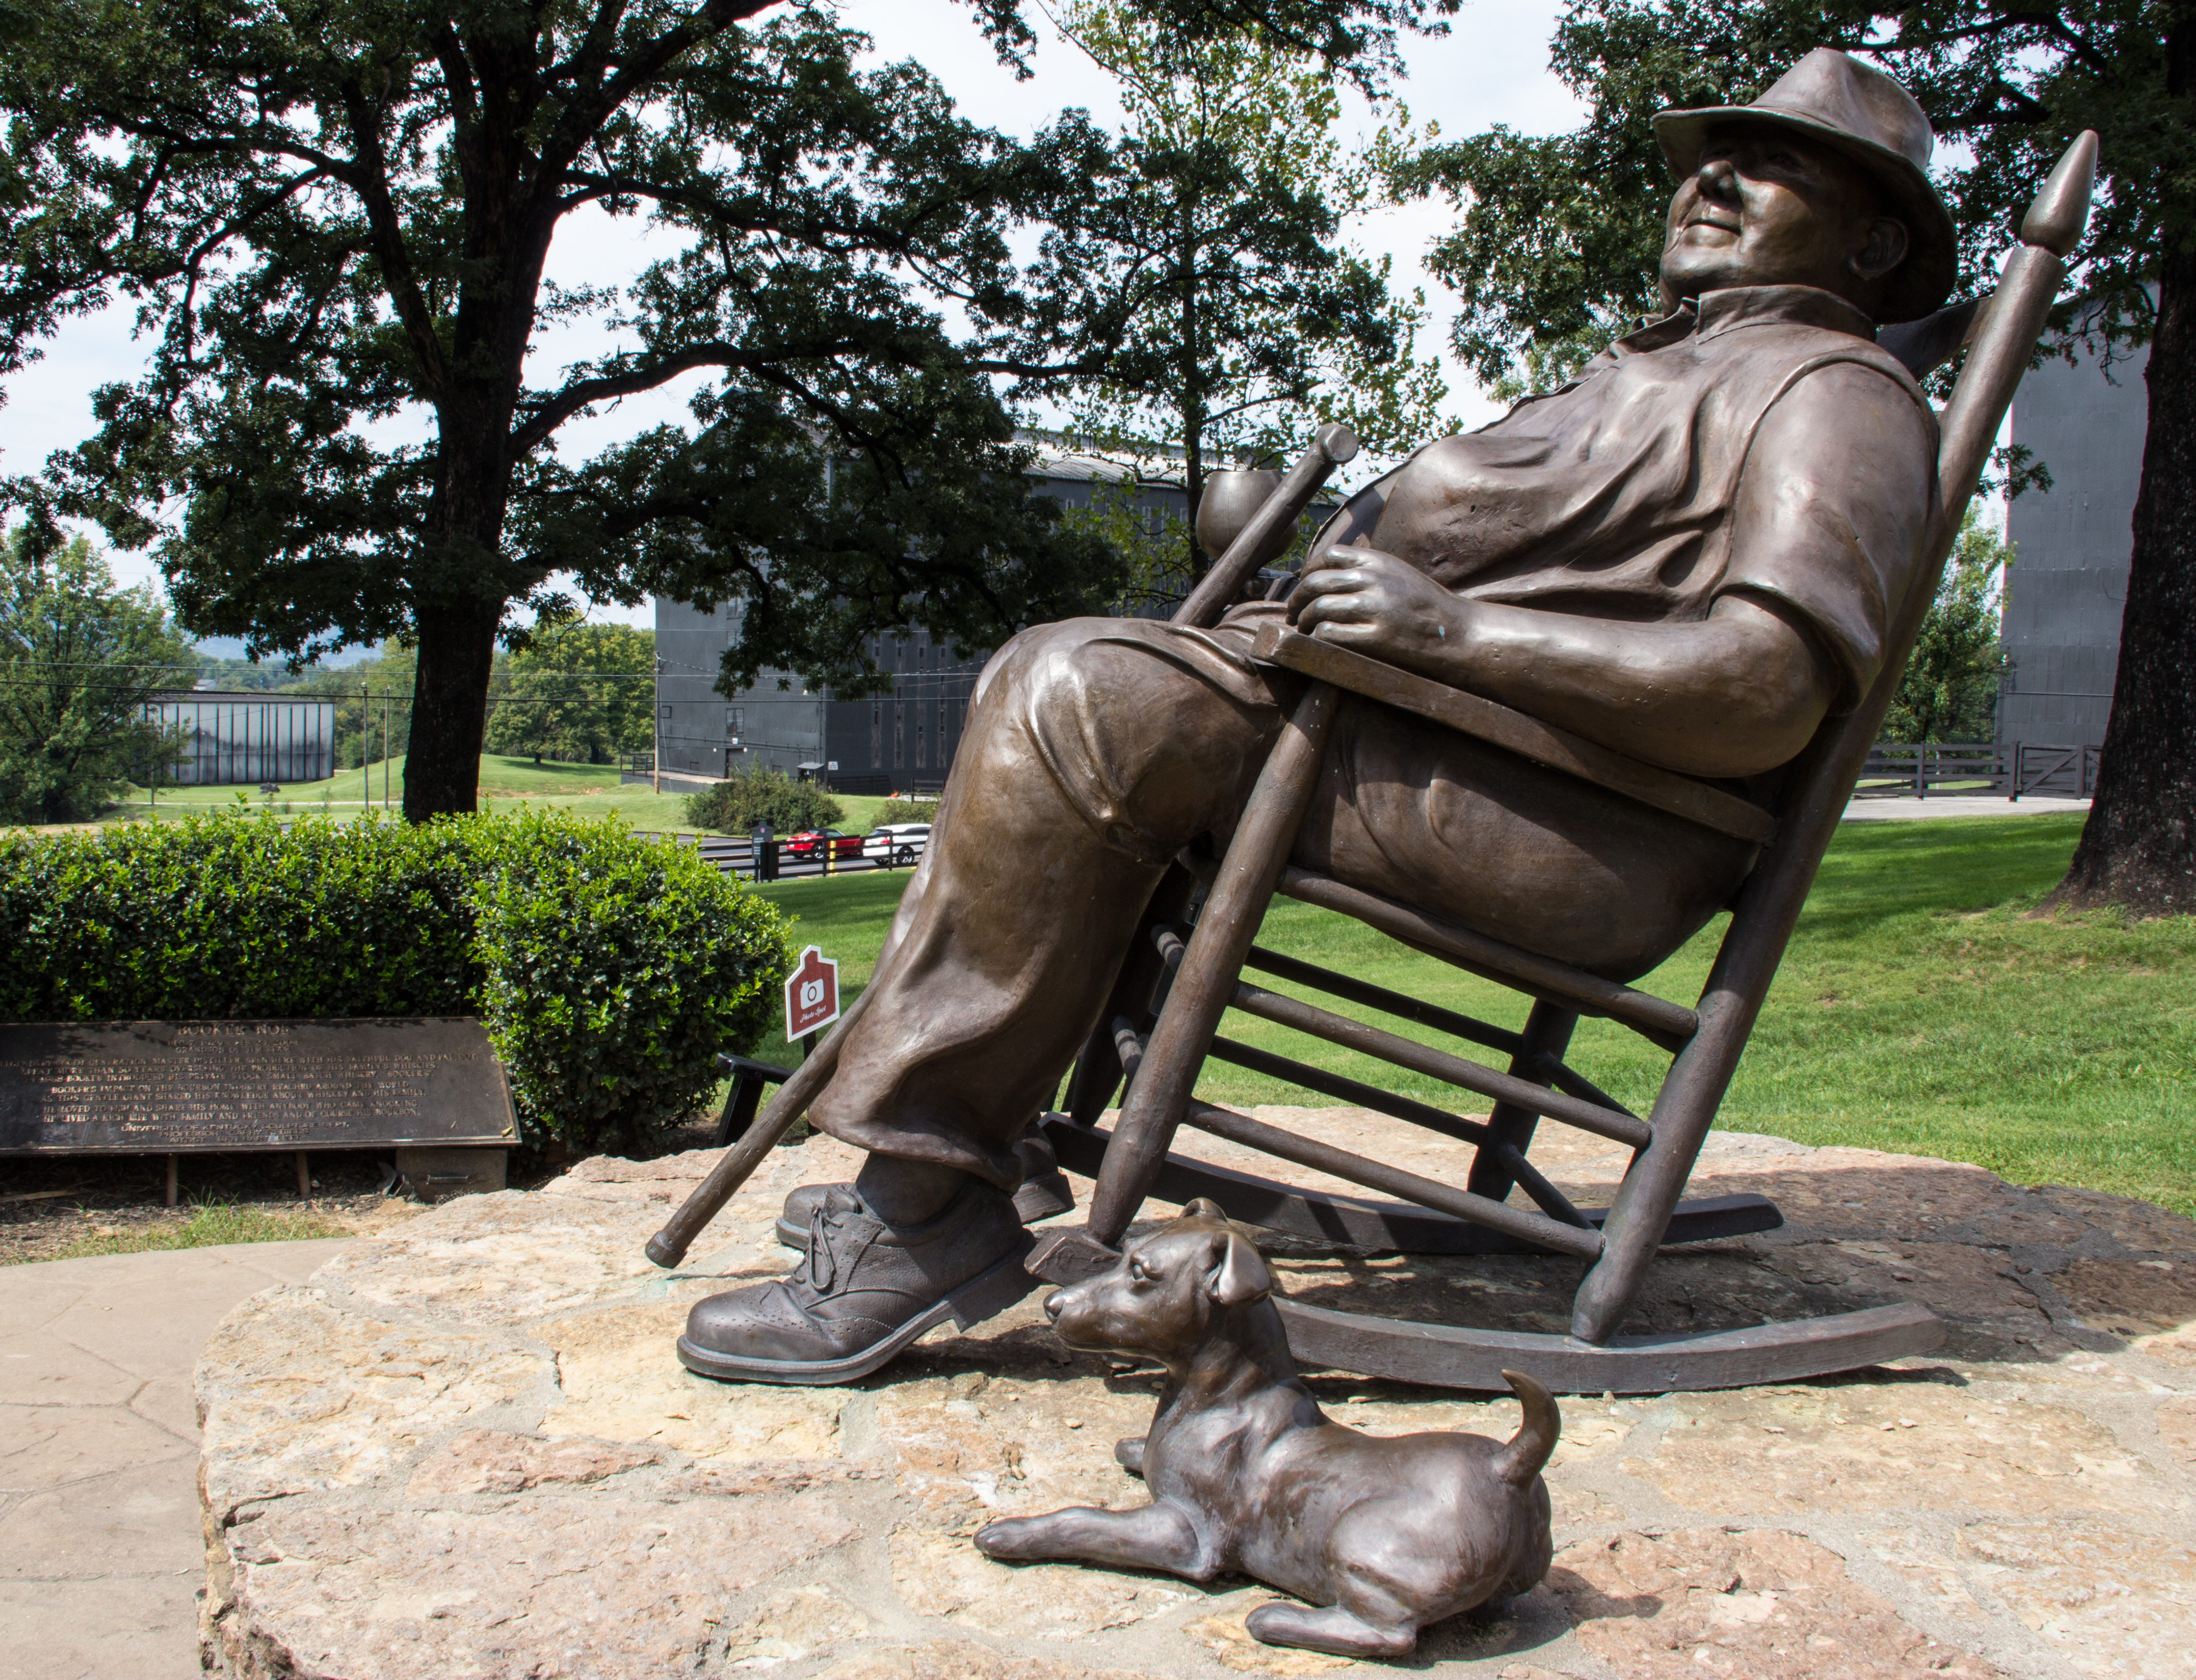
pixel 1052 1303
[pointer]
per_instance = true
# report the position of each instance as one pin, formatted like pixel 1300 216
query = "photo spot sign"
pixel 811 995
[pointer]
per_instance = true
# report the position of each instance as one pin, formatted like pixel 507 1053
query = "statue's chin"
pixel 1709 259
pixel 1688 282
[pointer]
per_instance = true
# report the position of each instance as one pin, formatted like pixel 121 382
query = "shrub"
pixel 609 970
pixel 898 809
pixel 736 805
pixel 616 970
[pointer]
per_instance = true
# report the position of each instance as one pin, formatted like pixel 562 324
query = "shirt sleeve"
pixel 1831 509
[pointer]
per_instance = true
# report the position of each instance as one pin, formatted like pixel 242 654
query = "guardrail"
pixel 734 854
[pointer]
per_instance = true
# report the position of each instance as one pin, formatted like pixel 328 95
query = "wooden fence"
pixel 2012 768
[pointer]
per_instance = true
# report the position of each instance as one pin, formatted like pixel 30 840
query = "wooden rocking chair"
pixel 1161 1022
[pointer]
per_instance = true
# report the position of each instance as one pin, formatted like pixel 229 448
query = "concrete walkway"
pixel 1957 805
pixel 101 1559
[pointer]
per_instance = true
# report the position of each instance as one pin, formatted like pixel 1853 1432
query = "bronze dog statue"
pixel 1247 1472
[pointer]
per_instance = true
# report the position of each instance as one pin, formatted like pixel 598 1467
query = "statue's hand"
pixel 1375 605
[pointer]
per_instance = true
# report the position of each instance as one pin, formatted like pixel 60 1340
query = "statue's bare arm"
pixel 1735 694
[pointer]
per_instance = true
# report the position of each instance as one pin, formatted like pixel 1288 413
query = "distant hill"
pixel 230 650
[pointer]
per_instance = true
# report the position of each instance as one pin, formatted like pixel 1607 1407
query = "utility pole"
pixel 656 727
pixel 365 749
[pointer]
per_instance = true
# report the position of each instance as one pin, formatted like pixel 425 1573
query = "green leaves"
pixel 79 659
pixel 736 805
pixel 1560 237
pixel 336 222
pixel 1950 689
pixel 1227 316
pixel 615 972
pixel 580 693
pixel 611 971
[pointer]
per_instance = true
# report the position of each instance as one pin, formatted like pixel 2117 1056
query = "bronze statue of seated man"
pixel 1689 553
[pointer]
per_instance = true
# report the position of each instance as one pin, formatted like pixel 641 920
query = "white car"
pixel 897 844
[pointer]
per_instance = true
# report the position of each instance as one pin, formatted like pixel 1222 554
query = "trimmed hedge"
pixel 610 970
pixel 736 805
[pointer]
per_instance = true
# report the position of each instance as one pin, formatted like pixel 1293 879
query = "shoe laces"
pixel 820 1259
pixel 815 1257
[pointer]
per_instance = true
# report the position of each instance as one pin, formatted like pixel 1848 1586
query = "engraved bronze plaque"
pixel 196 1087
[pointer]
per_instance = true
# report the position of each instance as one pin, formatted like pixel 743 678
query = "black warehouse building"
pixel 900 743
pixel 2064 592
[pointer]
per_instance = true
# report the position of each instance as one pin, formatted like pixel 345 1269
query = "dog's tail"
pixel 1520 1457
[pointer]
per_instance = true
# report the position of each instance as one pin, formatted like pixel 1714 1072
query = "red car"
pixel 809 844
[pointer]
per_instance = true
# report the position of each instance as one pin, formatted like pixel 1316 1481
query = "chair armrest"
pixel 1529 737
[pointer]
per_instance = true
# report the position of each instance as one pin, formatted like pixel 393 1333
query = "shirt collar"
pixel 1738 306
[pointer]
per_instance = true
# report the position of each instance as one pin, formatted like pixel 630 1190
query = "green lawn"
pixel 505 784
pixel 210 1226
pixel 1921 1009
pixel 845 915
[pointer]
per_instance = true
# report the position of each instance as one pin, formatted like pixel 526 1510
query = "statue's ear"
pixel 1241 1275
pixel 1204 1208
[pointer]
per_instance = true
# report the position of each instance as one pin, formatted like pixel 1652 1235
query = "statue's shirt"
pixel 1764 444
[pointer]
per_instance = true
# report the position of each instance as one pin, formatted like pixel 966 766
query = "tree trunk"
pixel 449 705
pixel 2138 849
pixel 457 621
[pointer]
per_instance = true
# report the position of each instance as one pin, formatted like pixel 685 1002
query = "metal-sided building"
pixel 246 737
pixel 2065 592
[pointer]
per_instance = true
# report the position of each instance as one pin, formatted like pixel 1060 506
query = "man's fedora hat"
pixel 1866 115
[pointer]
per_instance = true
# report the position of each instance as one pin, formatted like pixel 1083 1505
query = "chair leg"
pixel 1683 1111
pixel 1097 1072
pixel 1548 1033
pixel 1205 981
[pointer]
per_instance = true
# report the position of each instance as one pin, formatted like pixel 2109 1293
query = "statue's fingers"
pixel 1334 580
pixel 1332 607
pixel 1346 633
pixel 1356 556
pixel 1305 593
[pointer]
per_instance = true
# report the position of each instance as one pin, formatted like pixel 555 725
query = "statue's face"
pixel 1768 207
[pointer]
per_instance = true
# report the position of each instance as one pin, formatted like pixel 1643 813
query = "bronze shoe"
pixel 1044 1192
pixel 862 1291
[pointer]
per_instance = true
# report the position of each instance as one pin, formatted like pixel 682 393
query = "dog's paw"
pixel 1333 1629
pixel 1128 1454
pixel 1013 1539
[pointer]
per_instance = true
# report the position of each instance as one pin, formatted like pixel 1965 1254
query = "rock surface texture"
pixel 465 1448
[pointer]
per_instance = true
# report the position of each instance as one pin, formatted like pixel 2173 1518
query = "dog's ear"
pixel 1240 1274
pixel 1204 1208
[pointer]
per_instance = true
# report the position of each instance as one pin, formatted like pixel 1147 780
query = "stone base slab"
pixel 465 1447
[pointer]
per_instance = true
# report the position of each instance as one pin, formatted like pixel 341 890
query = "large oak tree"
pixel 335 216
pixel 1557 253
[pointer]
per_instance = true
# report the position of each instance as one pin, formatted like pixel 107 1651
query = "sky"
pixel 1491 68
